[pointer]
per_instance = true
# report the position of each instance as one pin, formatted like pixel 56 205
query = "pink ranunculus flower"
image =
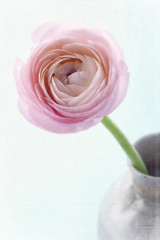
pixel 72 79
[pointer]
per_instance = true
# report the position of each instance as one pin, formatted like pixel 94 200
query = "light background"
pixel 51 186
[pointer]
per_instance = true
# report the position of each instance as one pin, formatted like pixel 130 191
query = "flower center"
pixel 73 76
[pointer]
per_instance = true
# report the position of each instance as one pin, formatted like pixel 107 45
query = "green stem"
pixel 126 145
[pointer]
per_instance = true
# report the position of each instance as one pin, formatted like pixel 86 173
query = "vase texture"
pixel 131 209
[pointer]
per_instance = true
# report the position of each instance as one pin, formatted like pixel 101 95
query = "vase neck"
pixel 148 186
pixel 145 186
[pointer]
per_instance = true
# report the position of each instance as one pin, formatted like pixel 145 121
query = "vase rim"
pixel 139 141
pixel 149 135
pixel 143 175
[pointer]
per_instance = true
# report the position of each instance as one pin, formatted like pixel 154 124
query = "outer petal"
pixel 123 85
pixel 44 32
pixel 44 121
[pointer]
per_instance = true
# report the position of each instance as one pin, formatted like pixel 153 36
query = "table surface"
pixel 51 185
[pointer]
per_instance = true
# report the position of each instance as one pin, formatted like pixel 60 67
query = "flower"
pixel 72 79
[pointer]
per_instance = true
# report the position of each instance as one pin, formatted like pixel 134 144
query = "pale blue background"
pixel 51 186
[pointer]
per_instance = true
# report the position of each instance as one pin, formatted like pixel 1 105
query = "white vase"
pixel 131 209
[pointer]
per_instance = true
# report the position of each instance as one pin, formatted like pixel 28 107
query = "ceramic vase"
pixel 131 209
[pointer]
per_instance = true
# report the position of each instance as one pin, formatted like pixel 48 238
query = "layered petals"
pixel 72 79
